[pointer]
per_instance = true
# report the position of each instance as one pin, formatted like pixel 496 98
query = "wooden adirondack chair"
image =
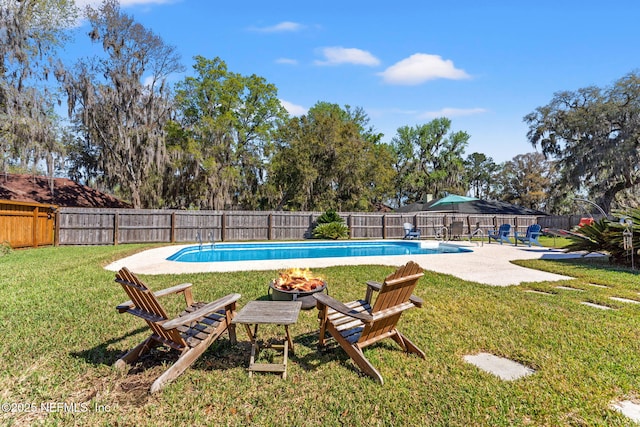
pixel 190 333
pixel 356 325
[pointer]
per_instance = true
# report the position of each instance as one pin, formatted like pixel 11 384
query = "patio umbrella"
pixel 452 199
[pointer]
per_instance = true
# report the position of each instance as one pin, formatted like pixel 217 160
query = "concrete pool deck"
pixel 489 264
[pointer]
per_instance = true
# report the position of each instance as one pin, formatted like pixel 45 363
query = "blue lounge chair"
pixel 502 235
pixel 410 232
pixel 531 236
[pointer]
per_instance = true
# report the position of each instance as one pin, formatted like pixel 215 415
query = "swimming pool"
pixel 221 252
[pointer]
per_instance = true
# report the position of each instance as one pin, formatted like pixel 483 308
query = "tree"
pixel 594 133
pixel 330 159
pixel 429 160
pixel 524 181
pixel 480 172
pixel 221 139
pixel 120 104
pixel 30 33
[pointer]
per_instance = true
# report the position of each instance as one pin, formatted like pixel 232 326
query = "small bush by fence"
pixel 24 224
pixel 82 226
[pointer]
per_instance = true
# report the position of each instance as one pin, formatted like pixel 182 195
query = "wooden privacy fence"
pixel 24 224
pixel 563 222
pixel 82 226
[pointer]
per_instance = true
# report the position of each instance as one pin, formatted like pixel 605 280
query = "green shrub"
pixel 331 230
pixel 329 216
pixel 330 225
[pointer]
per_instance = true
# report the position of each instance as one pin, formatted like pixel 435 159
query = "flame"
pixel 298 279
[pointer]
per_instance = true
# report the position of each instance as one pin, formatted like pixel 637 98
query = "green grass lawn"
pixel 61 335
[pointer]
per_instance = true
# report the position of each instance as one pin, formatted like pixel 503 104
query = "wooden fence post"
pixel 56 228
pixel 172 233
pixel 116 221
pixel 384 226
pixel 269 226
pixel 223 229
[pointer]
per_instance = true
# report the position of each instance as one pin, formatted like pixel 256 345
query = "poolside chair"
pixel 358 324
pixel 456 229
pixel 502 235
pixel 190 333
pixel 410 232
pixel 531 235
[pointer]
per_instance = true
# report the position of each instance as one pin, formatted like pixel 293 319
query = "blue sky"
pixel 483 64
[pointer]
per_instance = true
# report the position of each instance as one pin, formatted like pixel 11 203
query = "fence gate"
pixel 24 224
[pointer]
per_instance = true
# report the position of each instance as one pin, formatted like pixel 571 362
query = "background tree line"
pixel 222 140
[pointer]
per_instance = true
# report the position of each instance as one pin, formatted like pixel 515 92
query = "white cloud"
pixel 287 61
pixel 282 27
pixel 293 109
pixel 421 67
pixel 341 55
pixel 452 112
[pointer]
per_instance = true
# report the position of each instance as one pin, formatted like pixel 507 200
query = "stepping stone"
pixel 506 369
pixel 597 286
pixel 568 288
pixel 601 307
pixel 533 291
pixel 628 409
pixel 632 301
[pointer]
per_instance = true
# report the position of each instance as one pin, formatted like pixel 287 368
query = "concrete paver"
pixel 598 306
pixel 506 369
pixel 627 300
pixel 569 288
pixel 629 409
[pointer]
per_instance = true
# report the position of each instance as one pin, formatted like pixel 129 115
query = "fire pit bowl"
pixel 306 297
pixel 297 285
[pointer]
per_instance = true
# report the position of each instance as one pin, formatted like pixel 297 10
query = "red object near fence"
pixel 585 221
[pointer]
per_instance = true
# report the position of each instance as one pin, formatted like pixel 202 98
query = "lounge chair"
pixel 531 235
pixel 502 235
pixel 358 324
pixel 190 333
pixel 456 230
pixel 410 232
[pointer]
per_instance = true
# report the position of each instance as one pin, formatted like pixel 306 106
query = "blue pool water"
pixel 323 249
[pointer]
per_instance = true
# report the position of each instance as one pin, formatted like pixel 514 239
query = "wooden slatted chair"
pixel 190 333
pixel 357 324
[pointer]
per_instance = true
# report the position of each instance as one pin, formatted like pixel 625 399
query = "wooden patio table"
pixel 256 313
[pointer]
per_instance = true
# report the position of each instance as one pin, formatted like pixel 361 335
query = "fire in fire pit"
pixel 297 279
pixel 297 284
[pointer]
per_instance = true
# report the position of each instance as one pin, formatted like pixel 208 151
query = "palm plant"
pixel 607 236
pixel 330 225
